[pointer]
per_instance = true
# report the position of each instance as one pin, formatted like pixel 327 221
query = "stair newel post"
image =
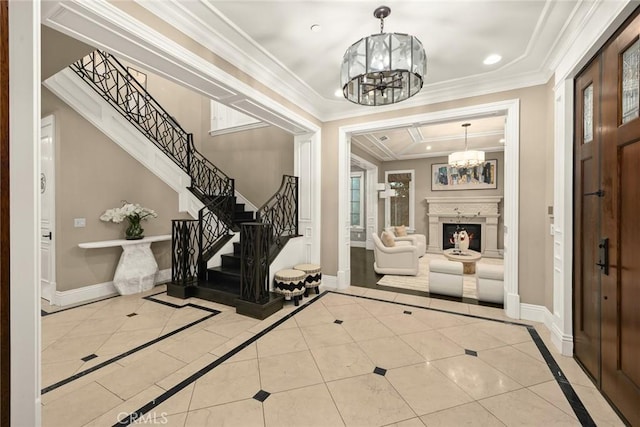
pixel 296 196
pixel 254 268
pixel 202 268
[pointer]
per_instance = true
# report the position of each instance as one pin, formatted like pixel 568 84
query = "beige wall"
pixel 256 159
pixel 535 168
pixel 423 177
pixel 92 175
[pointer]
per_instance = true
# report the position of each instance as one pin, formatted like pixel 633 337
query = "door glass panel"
pixel 630 82
pixel 587 115
pixel 400 201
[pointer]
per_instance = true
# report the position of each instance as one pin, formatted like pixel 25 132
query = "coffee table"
pixel 468 259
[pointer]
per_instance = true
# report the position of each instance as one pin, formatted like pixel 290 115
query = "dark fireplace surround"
pixel 473 230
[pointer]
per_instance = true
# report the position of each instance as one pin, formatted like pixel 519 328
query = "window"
pixel 400 203
pixel 357 199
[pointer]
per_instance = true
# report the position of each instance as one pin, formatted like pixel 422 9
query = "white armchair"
pixel 401 259
pixel 490 283
pixel 418 240
pixel 445 277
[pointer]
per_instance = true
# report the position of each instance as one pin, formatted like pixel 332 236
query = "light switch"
pixel 79 222
pixel 552 229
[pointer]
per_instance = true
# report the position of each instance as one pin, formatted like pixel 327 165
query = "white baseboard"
pixel 99 290
pixel 535 313
pixel 358 244
pixel 329 282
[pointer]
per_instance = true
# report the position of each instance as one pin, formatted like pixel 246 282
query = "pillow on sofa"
pixel 401 231
pixel 387 239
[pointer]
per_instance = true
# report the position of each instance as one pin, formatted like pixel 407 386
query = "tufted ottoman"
pixel 290 283
pixel 313 277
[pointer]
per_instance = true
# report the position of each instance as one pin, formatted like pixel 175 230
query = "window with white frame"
pixel 399 207
pixel 357 199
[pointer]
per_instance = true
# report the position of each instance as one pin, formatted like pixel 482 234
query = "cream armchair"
pixel 401 259
pixel 418 240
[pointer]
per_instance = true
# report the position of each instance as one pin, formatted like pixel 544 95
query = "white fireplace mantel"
pixel 474 210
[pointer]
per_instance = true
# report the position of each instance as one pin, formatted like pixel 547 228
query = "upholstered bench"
pixel 445 277
pixel 313 279
pixel 490 283
pixel 290 283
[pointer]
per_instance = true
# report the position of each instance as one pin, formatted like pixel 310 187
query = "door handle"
pixel 603 248
pixel 50 236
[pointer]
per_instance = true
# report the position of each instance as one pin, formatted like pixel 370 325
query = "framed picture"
pixel 449 178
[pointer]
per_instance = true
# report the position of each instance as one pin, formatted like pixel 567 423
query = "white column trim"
pixel 512 208
pixel 24 208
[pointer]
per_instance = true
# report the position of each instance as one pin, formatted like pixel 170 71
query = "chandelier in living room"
pixel 466 158
pixel 383 68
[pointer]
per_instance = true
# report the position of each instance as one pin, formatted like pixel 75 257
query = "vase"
pixel 464 241
pixel 134 231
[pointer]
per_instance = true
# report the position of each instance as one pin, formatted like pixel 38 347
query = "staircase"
pixel 242 278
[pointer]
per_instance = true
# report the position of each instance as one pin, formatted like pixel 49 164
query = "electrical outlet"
pixel 552 229
pixel 79 222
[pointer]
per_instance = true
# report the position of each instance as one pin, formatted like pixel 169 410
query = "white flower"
pixel 130 211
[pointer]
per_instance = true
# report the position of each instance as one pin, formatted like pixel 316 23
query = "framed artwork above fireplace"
pixel 448 178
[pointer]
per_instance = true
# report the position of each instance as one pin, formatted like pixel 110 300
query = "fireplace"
pixel 473 230
pixel 482 211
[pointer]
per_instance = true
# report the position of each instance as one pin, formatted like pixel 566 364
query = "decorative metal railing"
pixel 111 80
pixel 281 211
pixel 255 242
pixel 185 245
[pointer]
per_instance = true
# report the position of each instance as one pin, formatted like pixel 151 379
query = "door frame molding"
pixel 371 196
pixel 49 121
pixel 511 108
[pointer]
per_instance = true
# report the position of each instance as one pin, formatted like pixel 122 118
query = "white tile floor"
pixel 318 372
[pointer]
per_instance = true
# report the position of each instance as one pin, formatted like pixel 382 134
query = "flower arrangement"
pixel 133 213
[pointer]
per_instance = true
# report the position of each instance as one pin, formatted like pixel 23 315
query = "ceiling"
pixel 273 42
pixel 433 140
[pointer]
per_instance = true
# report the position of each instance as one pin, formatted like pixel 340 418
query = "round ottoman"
pixel 290 283
pixel 313 277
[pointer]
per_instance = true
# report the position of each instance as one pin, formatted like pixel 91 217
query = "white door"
pixel 47 207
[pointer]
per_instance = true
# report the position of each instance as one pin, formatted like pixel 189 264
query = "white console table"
pixel 137 268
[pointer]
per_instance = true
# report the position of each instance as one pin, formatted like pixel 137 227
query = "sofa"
pixel 400 259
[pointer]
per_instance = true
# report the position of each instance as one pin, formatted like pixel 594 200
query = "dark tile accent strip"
pixel 44 313
pixel 470 352
pixel 172 305
pixel 571 395
pixel 339 322
pixel 140 347
pixel 89 357
pixel 261 396
pixel 506 322
pixel 186 382
pixel 380 371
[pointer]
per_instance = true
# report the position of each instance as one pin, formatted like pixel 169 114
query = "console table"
pixel 137 268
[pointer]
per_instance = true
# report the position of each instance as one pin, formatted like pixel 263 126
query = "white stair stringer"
pixel 67 86
pixel 76 93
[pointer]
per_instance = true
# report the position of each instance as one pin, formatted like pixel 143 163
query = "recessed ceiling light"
pixel 501 141
pixel 428 147
pixel 316 28
pixel 494 58
pixel 338 93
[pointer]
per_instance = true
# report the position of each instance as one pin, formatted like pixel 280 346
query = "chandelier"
pixel 466 158
pixel 383 68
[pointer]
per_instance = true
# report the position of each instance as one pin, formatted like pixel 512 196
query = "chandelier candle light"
pixel 133 213
pixel 383 68
pixel 466 158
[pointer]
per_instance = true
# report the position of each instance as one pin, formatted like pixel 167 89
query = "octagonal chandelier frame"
pixel 383 68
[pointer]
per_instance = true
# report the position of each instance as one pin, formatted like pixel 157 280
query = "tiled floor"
pixel 362 358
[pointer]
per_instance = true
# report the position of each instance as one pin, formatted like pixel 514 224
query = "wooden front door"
pixel 607 298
